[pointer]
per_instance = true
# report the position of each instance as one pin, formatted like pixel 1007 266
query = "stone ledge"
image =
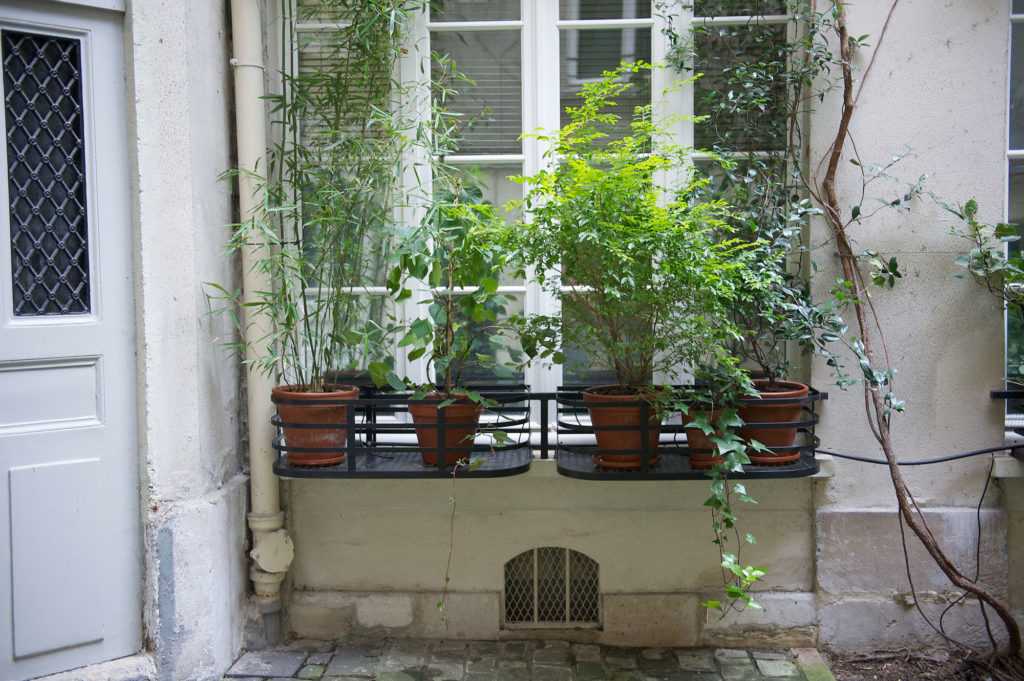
pixel 133 668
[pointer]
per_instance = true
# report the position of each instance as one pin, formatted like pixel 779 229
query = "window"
pixel 552 587
pixel 1015 196
pixel 528 59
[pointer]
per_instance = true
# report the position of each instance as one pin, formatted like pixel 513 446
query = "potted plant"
pixel 453 249
pixel 644 273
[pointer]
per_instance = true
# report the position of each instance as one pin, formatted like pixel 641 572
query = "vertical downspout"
pixel 272 548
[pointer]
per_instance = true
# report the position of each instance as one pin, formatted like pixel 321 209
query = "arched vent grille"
pixel 552 586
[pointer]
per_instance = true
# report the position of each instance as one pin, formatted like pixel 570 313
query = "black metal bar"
pixel 350 437
pixel 645 444
pixel 545 405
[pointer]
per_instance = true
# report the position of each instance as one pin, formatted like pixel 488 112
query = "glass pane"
pixel 497 190
pixel 1017 87
pixel 494 349
pixel 743 113
pixel 604 9
pixel 738 8
pixel 586 54
pixel 1014 325
pixel 490 103
pixel 585 364
pixel 367 326
pixel 322 10
pixel 46 174
pixel 1018 6
pixel 474 10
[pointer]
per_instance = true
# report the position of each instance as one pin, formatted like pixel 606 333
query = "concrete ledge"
pixel 134 668
pixel 1008 467
pixel 787 620
pixel 813 665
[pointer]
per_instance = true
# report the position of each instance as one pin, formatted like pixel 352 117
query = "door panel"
pixel 70 539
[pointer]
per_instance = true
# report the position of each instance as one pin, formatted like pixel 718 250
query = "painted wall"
pixel 370 555
pixel 193 485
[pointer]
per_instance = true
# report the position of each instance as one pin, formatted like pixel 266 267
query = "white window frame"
pixel 1011 420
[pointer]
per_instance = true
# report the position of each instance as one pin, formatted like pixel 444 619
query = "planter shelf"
pixel 381 441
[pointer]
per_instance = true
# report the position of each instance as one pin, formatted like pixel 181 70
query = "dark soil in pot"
pixel 295 406
pixel 755 410
pixel 461 420
pixel 630 440
pixel 702 449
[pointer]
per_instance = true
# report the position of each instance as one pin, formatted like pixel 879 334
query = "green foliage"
pixel 328 197
pixel 615 234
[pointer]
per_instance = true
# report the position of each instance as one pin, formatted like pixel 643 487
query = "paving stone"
pixel 620 659
pixel 482 665
pixel 770 655
pixel 483 648
pixel 653 654
pixel 658 663
pixel 514 650
pixel 696 660
pixel 353 661
pixel 395 676
pixel 556 644
pixel 586 652
pixel 512 664
pixel 730 655
pixel 777 668
pixel 589 670
pixel 551 672
pixel 311 671
pixel 320 658
pixel 268 663
pixel 742 671
pixel 700 676
pixel 445 671
pixel 403 655
pixel 479 677
pixel 626 675
pixel 513 673
pixel 555 655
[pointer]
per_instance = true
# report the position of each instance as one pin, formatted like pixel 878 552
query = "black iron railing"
pixel 380 439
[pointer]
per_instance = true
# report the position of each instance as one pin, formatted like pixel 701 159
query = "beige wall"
pixel 938 93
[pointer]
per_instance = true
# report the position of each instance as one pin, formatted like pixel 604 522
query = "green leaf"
pixel 395 382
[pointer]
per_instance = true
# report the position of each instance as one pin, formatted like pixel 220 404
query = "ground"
pixel 406 660
pixel 904 665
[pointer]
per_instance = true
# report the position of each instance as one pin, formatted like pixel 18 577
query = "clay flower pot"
pixel 461 420
pixel 631 439
pixel 702 449
pixel 761 410
pixel 297 407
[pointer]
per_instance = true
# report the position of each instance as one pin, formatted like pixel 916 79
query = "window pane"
pixel 1018 6
pixel 498 190
pixel 738 8
pixel 744 112
pixel 586 54
pixel 604 9
pixel 1017 87
pixel 46 174
pixel 1015 327
pixel 491 103
pixel 474 10
pixel 585 364
pixel 494 349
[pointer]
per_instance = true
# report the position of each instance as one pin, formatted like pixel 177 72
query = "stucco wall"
pixel 937 93
pixel 194 491
pixel 370 555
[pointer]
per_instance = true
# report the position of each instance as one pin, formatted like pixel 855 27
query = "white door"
pixel 70 561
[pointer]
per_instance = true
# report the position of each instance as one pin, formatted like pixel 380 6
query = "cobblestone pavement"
pixel 406 660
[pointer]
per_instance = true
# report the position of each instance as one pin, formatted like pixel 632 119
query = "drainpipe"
pixel 272 550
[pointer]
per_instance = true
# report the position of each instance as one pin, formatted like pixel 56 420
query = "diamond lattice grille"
pixel 552 586
pixel 46 174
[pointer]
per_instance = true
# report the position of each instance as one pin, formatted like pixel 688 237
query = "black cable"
pixel 924 462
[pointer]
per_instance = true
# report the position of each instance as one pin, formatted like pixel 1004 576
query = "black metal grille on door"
pixel 552 586
pixel 42 83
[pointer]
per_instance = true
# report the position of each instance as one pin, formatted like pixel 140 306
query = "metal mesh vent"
pixel 46 174
pixel 551 586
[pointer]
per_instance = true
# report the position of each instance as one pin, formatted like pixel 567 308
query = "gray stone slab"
pixel 311 671
pixel 483 648
pixel 731 655
pixel 696 660
pixel 739 672
pixel 320 658
pixel 550 672
pixel 626 675
pixel 395 676
pixel 620 658
pixel 491 676
pixel 515 650
pixel 654 654
pixel 588 670
pixel 482 665
pixel 700 676
pixel 268 663
pixel 553 655
pixel 586 652
pixel 513 673
pixel 770 655
pixel 777 668
pixel 352 661
pixel 444 671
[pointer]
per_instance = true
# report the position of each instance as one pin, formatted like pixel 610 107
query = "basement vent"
pixel 552 587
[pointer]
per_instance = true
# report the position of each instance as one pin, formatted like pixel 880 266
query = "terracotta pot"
pixel 461 420
pixel 611 441
pixel 306 407
pixel 762 410
pixel 702 449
